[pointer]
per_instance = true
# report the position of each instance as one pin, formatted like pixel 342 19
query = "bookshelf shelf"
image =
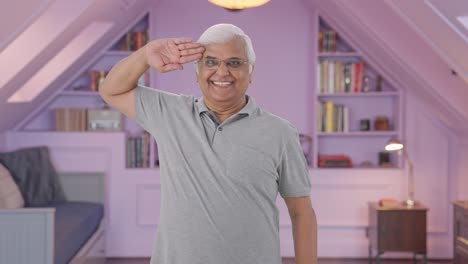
pixel 349 94
pixel 79 93
pixel 359 94
pixel 141 171
pixel 358 134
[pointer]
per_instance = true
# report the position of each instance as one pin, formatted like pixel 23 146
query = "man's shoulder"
pixel 166 95
pixel 276 122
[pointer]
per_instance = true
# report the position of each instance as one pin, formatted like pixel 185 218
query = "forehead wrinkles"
pixel 234 48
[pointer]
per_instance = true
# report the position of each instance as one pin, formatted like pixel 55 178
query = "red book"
pixel 93 80
pixel 389 202
pixel 320 41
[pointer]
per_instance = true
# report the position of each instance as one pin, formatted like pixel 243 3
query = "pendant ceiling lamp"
pixel 238 4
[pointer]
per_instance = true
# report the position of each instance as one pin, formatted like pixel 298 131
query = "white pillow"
pixel 10 195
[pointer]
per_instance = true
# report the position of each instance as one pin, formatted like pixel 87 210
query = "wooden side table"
pixel 460 232
pixel 398 229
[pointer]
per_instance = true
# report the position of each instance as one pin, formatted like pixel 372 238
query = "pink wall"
pixel 459 168
pixel 283 45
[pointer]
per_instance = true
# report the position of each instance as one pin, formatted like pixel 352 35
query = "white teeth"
pixel 222 83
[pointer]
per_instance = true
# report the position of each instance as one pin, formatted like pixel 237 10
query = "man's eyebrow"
pixel 232 58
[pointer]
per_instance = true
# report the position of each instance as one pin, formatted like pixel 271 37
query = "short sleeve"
pixel 152 106
pixel 293 170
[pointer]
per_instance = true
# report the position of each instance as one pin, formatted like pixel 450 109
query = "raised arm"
pixel 163 54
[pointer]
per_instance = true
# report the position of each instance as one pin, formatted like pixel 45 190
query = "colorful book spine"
pixel 329 116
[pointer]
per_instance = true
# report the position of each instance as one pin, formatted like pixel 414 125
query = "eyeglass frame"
pixel 219 63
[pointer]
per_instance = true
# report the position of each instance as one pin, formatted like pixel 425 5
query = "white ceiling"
pixel 449 11
pixel 436 21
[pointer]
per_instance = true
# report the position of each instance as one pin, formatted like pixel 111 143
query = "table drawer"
pixel 460 232
pixel 402 231
pixel 461 251
pixel 461 225
pixel 461 215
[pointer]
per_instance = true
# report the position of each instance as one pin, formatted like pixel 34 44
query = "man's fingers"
pixel 182 40
pixel 171 67
pixel 189 58
pixel 192 51
pixel 188 46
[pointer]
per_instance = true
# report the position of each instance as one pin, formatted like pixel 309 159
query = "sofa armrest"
pixel 28 210
pixel 27 235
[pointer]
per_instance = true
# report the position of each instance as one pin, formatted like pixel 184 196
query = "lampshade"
pixel 393 145
pixel 238 4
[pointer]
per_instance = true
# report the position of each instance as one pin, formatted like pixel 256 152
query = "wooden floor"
pixel 291 261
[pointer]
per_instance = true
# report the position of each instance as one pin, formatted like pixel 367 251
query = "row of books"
pixel 327 41
pixel 96 78
pixel 70 119
pixel 332 117
pixel 138 151
pixel 85 119
pixel 340 77
pixel 133 40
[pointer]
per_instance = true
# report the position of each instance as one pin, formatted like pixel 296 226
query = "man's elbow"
pixel 104 90
pixel 104 96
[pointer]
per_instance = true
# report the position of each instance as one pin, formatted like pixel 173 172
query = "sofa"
pixel 39 223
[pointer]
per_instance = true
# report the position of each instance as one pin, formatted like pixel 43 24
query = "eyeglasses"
pixel 213 63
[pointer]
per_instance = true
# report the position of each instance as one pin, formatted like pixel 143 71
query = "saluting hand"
pixel 169 54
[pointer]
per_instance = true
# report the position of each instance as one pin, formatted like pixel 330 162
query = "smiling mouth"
pixel 221 84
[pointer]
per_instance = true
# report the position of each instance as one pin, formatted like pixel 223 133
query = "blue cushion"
pixel 75 223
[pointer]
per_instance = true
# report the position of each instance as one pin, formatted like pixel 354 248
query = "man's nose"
pixel 222 69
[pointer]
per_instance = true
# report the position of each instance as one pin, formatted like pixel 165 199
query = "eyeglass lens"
pixel 215 62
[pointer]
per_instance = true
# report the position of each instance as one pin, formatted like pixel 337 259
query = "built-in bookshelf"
pixel 356 109
pixel 76 106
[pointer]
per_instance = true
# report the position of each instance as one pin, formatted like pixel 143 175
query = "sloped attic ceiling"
pixel 16 18
pixel 430 18
pixel 54 37
pixel 404 54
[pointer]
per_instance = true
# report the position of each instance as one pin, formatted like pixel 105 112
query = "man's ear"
pixel 250 75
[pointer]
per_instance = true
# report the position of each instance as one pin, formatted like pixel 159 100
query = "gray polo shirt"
pixel 219 182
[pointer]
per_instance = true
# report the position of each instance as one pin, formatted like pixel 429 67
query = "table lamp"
pixel 396 145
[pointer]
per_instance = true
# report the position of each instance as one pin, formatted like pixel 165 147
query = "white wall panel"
pixel 147 204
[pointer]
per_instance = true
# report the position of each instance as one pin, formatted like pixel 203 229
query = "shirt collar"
pixel 248 109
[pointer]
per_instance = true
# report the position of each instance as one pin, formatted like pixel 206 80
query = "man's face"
pixel 224 84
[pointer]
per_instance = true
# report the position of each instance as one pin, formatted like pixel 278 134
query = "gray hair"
pixel 222 33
